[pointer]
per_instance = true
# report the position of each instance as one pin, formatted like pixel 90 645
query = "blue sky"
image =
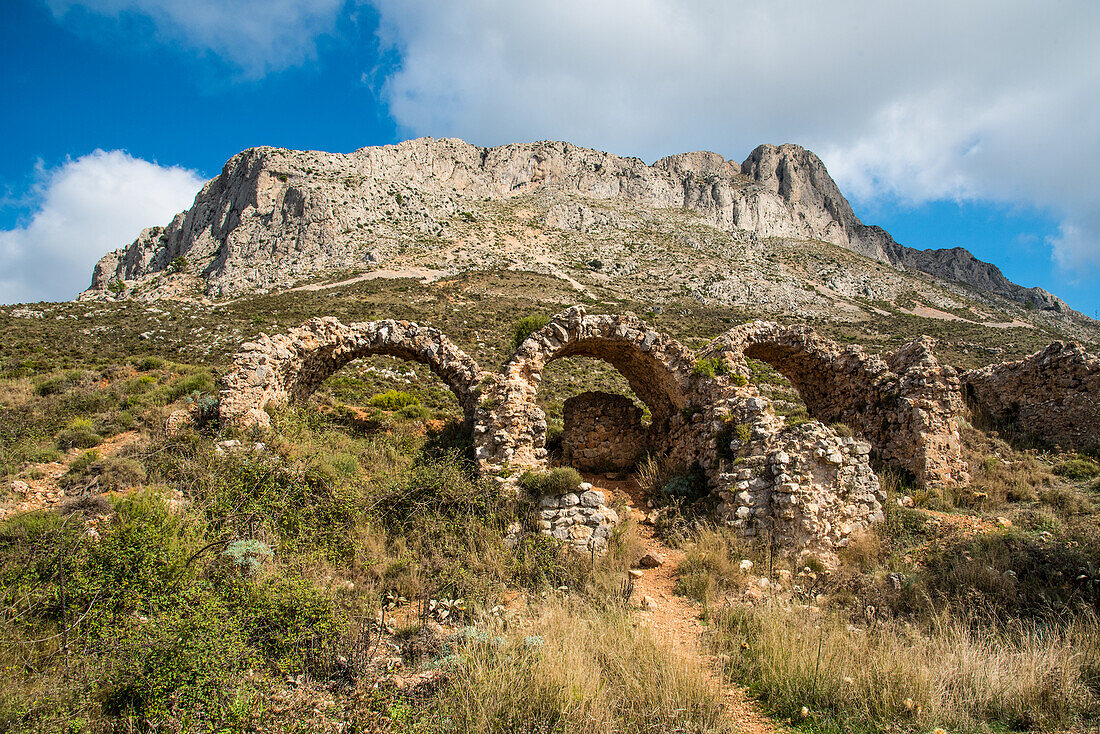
pixel 971 126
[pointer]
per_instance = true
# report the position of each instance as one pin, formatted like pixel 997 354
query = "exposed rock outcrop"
pixel 274 217
pixel 800 179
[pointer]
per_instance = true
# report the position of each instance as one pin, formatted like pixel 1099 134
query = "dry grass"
pixel 572 668
pixel 654 473
pixel 16 393
pixel 1000 474
pixel 712 563
pixel 949 675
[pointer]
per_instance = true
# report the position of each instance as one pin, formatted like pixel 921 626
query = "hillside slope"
pixel 276 217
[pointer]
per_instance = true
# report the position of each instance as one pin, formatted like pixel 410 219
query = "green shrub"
pixel 118 422
pixel 687 487
pixel 393 400
pixel 248 554
pixel 345 464
pixel 83 462
pixel 191 383
pixel 79 434
pixel 290 619
pixel 710 366
pixel 53 385
pixel 111 472
pixel 191 658
pixel 562 480
pixel 540 561
pixel 1010 573
pixel 527 326
pixel 1066 501
pixel 145 364
pixel 1078 469
pixel 796 419
pixel 415 412
pixel 842 429
pixel 436 494
pixel 555 433
pixel 304 507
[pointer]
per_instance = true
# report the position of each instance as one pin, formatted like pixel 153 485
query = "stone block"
pixel 592 498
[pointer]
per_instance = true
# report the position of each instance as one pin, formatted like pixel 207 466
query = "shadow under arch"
pixel 831 380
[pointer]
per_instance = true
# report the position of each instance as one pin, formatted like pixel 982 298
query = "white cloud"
pixel 257 36
pixel 85 208
pixel 989 99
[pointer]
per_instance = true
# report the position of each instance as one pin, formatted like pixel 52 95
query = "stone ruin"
pixel 602 432
pixel 806 487
pixel 1052 397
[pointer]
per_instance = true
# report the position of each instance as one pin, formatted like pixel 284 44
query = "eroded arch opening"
pixel 656 368
pixel 291 367
pixel 595 421
pixel 801 384
pixel 374 390
pixel 385 368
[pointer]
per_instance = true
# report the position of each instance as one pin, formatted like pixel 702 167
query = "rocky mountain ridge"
pixel 275 217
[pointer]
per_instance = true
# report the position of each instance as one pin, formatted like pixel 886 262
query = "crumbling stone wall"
pixel 292 366
pixel 580 518
pixel 602 432
pixel 1053 396
pixel 905 403
pixel 510 428
pixel 807 487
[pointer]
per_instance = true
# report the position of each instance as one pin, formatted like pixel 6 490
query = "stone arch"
pixel 511 427
pixel 817 367
pixel 905 403
pixel 290 367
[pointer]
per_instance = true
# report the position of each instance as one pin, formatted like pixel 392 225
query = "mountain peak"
pixel 274 216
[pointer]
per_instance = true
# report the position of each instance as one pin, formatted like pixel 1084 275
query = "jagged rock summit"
pixel 275 217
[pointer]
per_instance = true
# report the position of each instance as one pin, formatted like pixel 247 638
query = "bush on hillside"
pixel 710 366
pixel 527 326
pixel 1078 469
pixel 79 434
pixel 393 400
pixel 562 480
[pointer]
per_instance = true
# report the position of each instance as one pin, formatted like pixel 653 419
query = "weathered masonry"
pixel 806 486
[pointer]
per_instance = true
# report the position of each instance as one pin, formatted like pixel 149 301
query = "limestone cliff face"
pixel 799 178
pixel 957 263
pixel 274 217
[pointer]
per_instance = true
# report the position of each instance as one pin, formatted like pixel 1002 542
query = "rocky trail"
pixel 676 619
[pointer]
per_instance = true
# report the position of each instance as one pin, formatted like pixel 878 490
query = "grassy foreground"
pixel 348 572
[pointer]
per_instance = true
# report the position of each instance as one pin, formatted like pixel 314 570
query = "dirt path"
pixel 675 618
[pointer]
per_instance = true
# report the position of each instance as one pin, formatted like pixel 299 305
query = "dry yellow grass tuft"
pixel 575 668
pixel 1021 676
